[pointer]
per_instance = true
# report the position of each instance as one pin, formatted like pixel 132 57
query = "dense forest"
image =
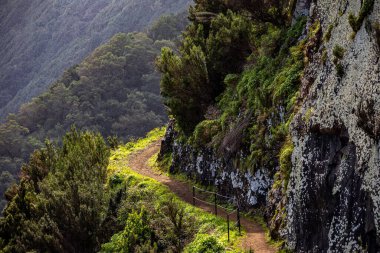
pixel 42 38
pixel 115 91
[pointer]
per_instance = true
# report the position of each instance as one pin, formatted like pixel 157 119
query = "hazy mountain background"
pixel 40 39
pixel 114 90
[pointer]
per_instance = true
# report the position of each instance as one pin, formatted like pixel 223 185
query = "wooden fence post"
pixel 216 206
pixel 238 220
pixel 193 196
pixel 228 226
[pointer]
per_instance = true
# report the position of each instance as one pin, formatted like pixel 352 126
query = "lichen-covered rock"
pixel 302 8
pixel 334 189
pixel 168 140
pixel 205 166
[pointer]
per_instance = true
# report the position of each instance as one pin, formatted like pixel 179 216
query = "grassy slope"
pixel 210 224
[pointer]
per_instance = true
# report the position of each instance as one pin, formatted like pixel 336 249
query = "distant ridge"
pixel 40 39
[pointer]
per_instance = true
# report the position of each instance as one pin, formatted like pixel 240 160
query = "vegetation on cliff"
pixel 235 73
pixel 234 84
pixel 231 82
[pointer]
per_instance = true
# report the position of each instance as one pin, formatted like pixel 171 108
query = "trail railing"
pixel 214 203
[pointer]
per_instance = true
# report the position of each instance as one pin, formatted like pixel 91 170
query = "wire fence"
pixel 228 211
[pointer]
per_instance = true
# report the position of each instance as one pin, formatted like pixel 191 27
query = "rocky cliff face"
pixel 332 200
pixel 208 168
pixel 334 191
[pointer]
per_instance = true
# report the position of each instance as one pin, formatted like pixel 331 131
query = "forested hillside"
pixel 40 39
pixel 83 197
pixel 115 91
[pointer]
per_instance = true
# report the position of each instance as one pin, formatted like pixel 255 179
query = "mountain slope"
pixel 115 91
pixel 39 39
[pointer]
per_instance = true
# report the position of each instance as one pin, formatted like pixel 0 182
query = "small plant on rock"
pixel 338 53
pixel 339 69
pixel 327 36
pixel 365 10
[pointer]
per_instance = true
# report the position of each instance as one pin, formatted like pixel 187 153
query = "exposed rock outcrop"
pixel 334 191
pixel 205 166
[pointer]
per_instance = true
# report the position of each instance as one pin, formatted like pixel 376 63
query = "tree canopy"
pixel 115 91
pixel 60 203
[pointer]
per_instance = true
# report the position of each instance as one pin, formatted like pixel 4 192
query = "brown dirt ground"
pixel 255 235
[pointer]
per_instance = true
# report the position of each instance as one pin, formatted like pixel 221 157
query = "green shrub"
pixel 285 160
pixel 205 243
pixel 136 233
pixel 365 10
pixel 327 36
pixel 62 192
pixel 324 56
pixel 115 180
pixel 338 51
pixel 113 142
pixel 339 69
pixel 352 20
pixel 205 131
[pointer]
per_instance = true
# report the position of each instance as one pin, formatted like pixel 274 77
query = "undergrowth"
pixel 256 105
pixel 209 232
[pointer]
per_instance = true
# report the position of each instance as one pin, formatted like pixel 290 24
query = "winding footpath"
pixel 255 235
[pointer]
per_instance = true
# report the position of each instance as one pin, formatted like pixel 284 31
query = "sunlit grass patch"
pixel 149 189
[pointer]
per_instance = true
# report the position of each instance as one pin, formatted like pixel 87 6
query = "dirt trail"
pixel 255 238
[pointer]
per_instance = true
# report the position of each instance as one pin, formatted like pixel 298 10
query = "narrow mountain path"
pixel 255 237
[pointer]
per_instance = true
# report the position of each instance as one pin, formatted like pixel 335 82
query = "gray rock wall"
pixel 334 190
pixel 302 8
pixel 204 166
